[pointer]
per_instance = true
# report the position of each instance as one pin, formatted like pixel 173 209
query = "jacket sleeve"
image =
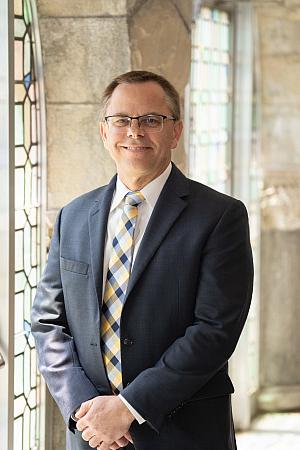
pixel 58 361
pixel 221 307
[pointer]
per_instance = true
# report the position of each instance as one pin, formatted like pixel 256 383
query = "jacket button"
pixel 127 341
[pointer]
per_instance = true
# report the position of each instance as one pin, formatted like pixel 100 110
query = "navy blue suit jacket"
pixel 186 304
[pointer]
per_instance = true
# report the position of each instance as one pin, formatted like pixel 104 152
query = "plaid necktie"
pixel 118 274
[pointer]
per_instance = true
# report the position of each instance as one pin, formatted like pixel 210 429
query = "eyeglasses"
pixel 151 123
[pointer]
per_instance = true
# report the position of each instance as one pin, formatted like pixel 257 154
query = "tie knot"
pixel 134 198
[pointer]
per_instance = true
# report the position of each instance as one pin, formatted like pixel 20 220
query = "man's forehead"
pixel 137 94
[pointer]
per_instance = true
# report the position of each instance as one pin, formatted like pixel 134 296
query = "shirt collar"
pixel 151 191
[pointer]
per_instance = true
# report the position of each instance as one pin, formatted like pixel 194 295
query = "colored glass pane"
pixel 18 60
pixel 20 92
pixel 27 12
pixel 27 59
pixel 26 187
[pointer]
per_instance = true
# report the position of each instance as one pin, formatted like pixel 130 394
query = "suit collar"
pixel 168 208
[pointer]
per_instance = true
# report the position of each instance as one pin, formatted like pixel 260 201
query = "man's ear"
pixel 103 131
pixel 178 127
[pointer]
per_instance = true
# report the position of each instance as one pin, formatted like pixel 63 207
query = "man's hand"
pixel 104 421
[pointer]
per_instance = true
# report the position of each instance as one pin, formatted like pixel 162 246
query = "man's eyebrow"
pixel 151 113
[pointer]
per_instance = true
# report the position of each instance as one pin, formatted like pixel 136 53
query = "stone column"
pixel 85 43
pixel 279 37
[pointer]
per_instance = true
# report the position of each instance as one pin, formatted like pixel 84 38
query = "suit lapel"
pixel 97 229
pixel 167 210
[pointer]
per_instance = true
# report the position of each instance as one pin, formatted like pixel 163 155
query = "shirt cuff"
pixel 138 417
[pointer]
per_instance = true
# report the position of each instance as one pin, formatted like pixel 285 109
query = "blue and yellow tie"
pixel 119 268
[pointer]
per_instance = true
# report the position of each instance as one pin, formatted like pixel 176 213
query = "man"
pixel 146 290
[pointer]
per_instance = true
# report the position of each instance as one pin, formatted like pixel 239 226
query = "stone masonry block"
pixel 160 42
pixel 280 141
pixel 81 56
pixel 280 79
pixel 77 160
pixel 81 8
pixel 279 35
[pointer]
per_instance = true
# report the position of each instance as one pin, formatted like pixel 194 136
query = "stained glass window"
pixel 210 100
pixel 27 230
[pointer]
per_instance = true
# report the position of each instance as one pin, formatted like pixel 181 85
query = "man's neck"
pixel 138 182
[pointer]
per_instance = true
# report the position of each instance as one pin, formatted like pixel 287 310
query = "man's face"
pixel 139 153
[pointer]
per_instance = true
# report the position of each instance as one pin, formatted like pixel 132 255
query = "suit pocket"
pixel 74 266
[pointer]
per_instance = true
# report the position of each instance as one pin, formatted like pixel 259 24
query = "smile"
pixel 135 148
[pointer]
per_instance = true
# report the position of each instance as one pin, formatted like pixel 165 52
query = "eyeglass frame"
pixel 138 117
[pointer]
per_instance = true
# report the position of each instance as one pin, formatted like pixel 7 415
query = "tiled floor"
pixel 275 431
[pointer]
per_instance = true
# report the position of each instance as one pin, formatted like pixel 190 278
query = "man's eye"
pixel 151 121
pixel 121 122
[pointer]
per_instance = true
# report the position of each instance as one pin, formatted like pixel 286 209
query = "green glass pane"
pixel 19 124
pixel 27 12
pixel 19 250
pixel 33 374
pixel 27 54
pixel 27 123
pixel 20 28
pixel 18 385
pixel 18 60
pixel 19 188
pixel 20 219
pixel 27 371
pixel 20 156
pixel 18 433
pixel 20 281
pixel 19 313
pixel 26 429
pixel 20 92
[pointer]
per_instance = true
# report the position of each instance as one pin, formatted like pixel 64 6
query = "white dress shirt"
pixel 151 192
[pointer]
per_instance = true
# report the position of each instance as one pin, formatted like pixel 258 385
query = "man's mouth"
pixel 135 148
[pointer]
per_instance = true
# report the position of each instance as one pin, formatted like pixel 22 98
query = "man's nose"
pixel 134 129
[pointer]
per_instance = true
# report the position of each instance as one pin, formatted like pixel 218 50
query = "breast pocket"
pixel 71 265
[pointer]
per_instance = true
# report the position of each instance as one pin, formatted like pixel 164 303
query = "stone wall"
pixel 85 43
pixel 279 38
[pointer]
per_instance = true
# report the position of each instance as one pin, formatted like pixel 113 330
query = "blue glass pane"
pixel 27 80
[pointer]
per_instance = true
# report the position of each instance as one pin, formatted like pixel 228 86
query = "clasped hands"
pixel 104 422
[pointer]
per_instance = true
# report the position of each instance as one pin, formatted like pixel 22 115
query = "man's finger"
pixel 122 442
pixel 104 446
pixel 83 409
pixel 128 436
